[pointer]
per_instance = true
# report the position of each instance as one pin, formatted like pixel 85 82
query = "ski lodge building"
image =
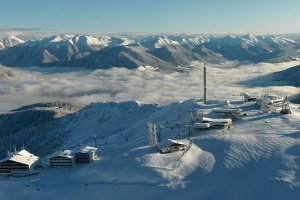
pixel 85 154
pixel 21 162
pixel 63 159
pixel 170 146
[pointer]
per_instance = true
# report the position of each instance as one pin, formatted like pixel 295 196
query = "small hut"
pixel 85 154
pixel 21 162
pixel 62 159
pixel 170 146
pixel 250 97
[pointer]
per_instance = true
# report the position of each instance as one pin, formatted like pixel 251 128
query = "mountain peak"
pixel 67 50
pixel 10 41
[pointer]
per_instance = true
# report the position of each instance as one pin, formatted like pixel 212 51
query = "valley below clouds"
pixel 144 84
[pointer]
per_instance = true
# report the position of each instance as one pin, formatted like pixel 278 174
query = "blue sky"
pixel 154 16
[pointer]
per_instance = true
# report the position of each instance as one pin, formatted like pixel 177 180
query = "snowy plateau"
pixel 85 99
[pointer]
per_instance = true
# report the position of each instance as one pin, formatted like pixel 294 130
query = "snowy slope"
pixel 157 41
pixel 41 122
pixel 257 159
pixel 9 41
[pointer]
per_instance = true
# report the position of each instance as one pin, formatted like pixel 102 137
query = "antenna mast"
pixel 150 129
pixel 94 137
pixel 205 88
pixel 152 134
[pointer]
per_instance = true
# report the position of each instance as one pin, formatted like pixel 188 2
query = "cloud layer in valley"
pixel 144 84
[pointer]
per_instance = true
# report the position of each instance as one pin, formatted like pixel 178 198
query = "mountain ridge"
pixel 169 52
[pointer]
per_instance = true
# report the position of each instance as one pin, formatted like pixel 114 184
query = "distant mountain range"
pixel 165 52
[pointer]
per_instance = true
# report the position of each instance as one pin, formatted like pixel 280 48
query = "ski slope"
pixel 259 158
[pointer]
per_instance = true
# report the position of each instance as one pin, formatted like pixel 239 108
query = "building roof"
pixel 167 143
pixel 64 153
pixel 226 110
pixel 23 157
pixel 86 149
pixel 206 119
pixel 198 125
pixel 251 95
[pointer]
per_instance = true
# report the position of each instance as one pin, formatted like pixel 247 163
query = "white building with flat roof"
pixel 20 162
pixel 64 158
pixel 85 154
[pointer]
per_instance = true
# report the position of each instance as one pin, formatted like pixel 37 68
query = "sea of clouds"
pixel 144 84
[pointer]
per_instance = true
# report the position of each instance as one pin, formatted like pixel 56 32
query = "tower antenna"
pixel 150 132
pixel 94 137
pixel 205 88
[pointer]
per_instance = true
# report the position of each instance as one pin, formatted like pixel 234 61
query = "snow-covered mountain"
pixel 158 41
pixel 9 41
pixel 39 122
pixel 289 76
pixel 286 77
pixel 179 50
pixel 259 157
pixel 162 51
pixel 253 48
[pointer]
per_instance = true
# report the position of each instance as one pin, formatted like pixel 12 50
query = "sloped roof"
pixel 23 157
pixel 167 143
pixel 251 95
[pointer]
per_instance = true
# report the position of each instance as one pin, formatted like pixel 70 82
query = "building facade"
pixel 63 159
pixel 85 154
pixel 21 162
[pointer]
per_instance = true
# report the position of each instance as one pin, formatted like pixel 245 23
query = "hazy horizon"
pixel 142 16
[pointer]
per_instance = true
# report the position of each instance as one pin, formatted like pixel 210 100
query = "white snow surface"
pixel 163 41
pixel 257 159
pixel 176 166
